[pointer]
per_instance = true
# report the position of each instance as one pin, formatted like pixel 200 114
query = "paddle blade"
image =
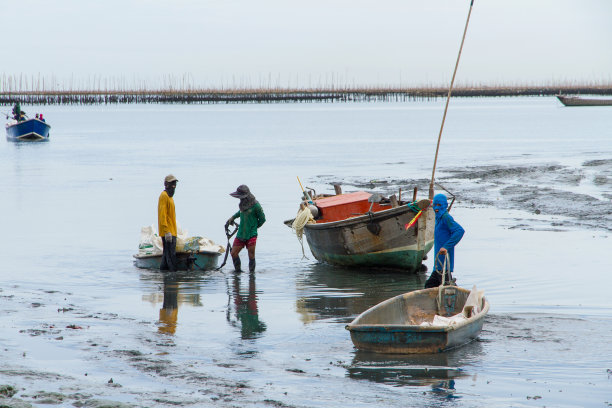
pixel 414 220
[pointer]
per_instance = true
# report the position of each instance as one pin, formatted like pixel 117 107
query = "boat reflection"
pixel 332 292
pixel 437 371
pixel 178 288
pixel 245 310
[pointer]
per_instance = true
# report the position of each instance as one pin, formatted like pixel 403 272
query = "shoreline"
pixel 281 95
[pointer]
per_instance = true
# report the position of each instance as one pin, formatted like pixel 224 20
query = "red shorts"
pixel 241 243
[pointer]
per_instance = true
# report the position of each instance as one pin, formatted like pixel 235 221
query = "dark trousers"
pixel 435 279
pixel 169 261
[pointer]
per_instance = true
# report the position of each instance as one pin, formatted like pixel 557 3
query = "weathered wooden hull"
pixel 29 130
pixel 351 243
pixel 578 101
pixel 393 326
pixel 186 261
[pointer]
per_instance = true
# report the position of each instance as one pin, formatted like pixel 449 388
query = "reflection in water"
pixel 168 314
pixel 437 371
pixel 326 291
pixel 173 285
pixel 245 308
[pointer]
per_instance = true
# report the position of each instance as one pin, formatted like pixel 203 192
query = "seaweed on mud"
pixel 597 163
pixel 277 404
pixel 131 353
pixel 14 403
pixel 499 173
pixel 33 375
pixel 45 397
pixel 601 180
pixel 543 189
pixel 7 390
pixel 101 403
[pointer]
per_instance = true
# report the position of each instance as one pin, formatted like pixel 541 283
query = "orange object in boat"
pixel 343 206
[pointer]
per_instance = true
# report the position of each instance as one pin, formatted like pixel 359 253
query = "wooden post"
pixel 337 189
pixel 414 196
pixel 394 202
pixel 399 197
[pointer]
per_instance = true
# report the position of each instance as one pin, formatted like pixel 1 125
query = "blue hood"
pixel 440 203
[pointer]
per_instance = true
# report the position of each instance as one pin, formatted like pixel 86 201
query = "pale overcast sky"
pixel 307 43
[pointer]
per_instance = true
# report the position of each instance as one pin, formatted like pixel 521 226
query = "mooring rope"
pixel 303 217
pixel 228 248
pixel 445 266
pixel 450 90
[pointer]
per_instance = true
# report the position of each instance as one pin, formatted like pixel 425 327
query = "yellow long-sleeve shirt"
pixel 166 217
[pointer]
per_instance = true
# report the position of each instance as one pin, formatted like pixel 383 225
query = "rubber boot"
pixel 252 265
pixel 236 264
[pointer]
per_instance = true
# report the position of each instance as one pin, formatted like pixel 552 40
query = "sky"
pixel 315 43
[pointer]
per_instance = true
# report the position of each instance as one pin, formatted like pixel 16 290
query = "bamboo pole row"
pixel 284 95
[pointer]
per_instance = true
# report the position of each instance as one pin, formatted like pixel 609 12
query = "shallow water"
pixel 533 182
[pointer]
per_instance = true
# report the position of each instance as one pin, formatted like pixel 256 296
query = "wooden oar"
pixel 414 220
pixel 306 195
pixel 416 217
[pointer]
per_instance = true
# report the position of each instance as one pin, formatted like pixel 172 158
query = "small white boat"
pixel 423 321
pixel 187 261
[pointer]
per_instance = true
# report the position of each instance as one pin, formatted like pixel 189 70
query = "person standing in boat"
pixel 166 218
pixel 447 234
pixel 251 218
pixel 17 112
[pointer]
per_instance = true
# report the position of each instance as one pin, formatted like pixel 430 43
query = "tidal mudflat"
pixel 83 327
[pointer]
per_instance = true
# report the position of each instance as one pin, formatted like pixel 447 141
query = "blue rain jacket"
pixel 447 232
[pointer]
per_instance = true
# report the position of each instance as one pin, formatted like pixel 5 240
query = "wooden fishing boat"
pixel 361 229
pixel 187 261
pixel 579 101
pixel 27 130
pixel 405 323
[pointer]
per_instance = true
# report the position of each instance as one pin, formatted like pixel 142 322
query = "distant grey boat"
pixel 578 101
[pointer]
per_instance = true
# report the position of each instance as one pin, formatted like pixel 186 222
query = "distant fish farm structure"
pixel 35 93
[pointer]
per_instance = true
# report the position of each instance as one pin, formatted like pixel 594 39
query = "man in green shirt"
pixel 251 218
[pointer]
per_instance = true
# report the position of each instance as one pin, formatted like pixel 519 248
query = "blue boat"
pixel 30 129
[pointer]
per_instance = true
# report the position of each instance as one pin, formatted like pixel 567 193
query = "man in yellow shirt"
pixel 166 219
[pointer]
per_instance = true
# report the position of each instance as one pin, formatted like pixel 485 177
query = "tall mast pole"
pixel 450 90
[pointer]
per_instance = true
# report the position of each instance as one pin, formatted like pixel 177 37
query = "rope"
pixel 228 248
pixel 450 89
pixel 445 266
pixel 303 217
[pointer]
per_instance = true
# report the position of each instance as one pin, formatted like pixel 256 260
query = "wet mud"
pixel 549 194
pixel 83 327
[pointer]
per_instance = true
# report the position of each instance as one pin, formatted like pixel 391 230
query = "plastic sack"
pixel 150 243
pixel 209 245
pixel 473 302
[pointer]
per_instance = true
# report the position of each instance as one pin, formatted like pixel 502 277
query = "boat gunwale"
pixel 568 100
pixel 138 256
pixel 7 126
pixel 360 218
pixel 411 327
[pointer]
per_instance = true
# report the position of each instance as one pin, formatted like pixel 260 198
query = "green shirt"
pixel 250 220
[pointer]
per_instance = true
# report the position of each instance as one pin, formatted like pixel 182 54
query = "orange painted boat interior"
pixel 343 206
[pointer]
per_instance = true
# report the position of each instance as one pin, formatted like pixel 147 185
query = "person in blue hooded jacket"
pixel 447 234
